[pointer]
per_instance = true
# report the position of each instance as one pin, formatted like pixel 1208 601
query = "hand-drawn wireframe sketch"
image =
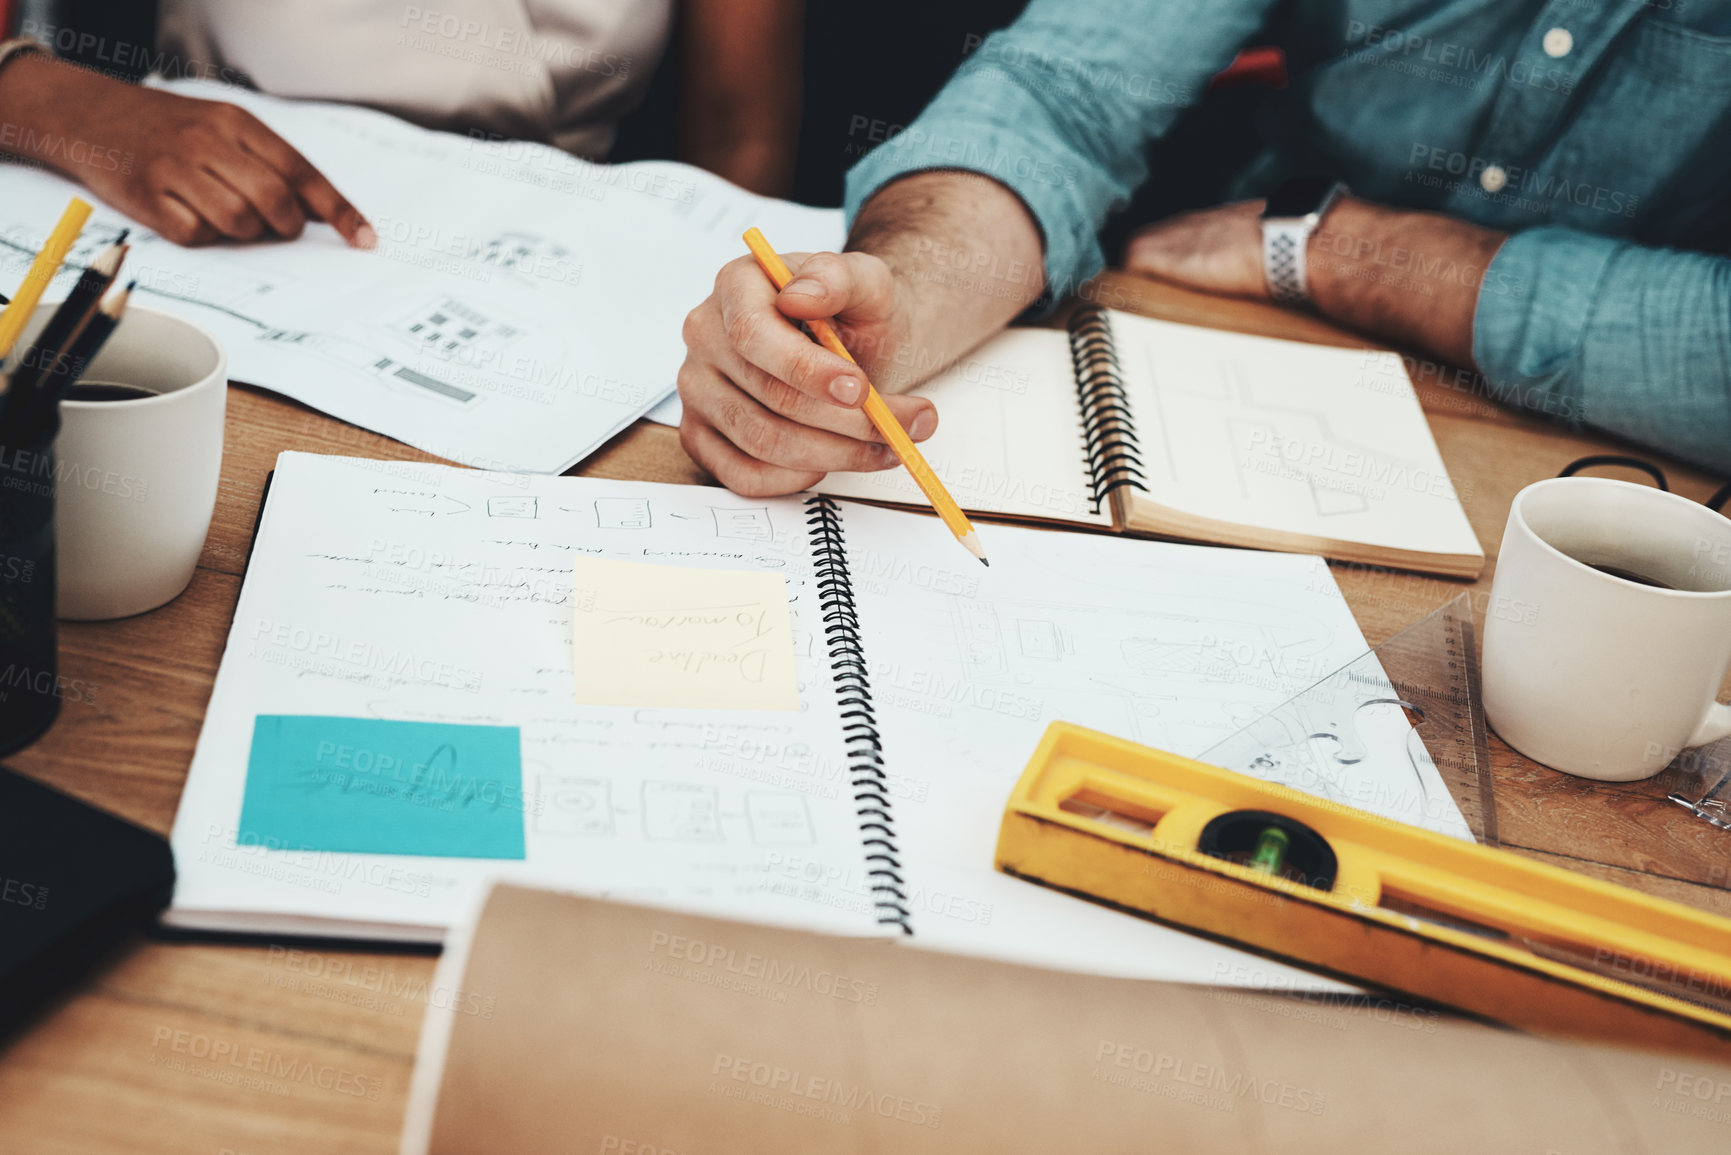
pixel 422 503
pixel 1291 437
pixel 744 524
pixel 450 328
pixel 681 812
pixel 778 818
pixel 529 257
pixel 1038 638
pixel 527 508
pixel 979 637
pixel 358 356
pixel 571 805
pixel 623 513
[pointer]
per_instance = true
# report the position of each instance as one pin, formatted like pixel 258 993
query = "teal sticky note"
pixel 368 786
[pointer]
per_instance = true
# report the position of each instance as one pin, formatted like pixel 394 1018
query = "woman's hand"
pixel 195 171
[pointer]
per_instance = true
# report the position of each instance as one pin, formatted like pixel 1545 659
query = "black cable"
pixel 1597 459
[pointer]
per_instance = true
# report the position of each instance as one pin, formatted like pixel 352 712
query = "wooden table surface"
pixel 133 1059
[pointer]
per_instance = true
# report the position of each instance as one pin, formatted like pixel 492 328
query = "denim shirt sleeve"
pixel 1601 331
pixel 1060 107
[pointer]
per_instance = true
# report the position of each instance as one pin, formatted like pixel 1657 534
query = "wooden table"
pixel 125 1063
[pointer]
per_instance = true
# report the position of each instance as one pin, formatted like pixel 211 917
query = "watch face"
pixel 1299 196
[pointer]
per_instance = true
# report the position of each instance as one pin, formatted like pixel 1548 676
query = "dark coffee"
pixel 96 391
pixel 1631 576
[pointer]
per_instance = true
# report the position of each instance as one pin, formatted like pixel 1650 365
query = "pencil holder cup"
pixel 139 456
pixel 29 674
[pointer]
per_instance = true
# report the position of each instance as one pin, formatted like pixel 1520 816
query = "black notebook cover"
pixel 75 881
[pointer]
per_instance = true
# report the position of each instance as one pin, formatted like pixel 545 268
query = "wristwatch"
pixel 21 47
pixel 1288 219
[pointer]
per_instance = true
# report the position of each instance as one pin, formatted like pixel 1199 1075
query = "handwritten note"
pixel 369 786
pixel 672 636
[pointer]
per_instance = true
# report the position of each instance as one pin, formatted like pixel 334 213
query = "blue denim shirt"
pixel 1597 132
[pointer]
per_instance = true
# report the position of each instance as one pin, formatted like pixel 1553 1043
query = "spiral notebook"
pixel 798 711
pixel 1198 434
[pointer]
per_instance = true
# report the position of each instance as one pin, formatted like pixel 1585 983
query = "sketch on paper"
pixel 572 805
pixel 743 524
pixel 518 507
pixel 623 513
pixel 681 812
pixel 779 819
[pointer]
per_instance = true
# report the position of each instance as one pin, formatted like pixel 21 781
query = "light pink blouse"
pixel 560 71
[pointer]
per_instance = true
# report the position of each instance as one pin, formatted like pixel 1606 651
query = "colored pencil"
pixel 86 343
pixel 48 352
pixel 42 270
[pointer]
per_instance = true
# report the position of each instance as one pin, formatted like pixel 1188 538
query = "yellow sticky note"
pixel 701 639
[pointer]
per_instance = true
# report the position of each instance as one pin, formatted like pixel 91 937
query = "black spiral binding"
pixel 859 722
pixel 1111 449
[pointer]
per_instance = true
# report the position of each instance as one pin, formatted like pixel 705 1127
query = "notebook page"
pixel 1287 436
pixel 1173 646
pixel 1009 437
pixel 424 594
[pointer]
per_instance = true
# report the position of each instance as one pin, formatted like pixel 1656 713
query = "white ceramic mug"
pixel 137 479
pixel 1598 675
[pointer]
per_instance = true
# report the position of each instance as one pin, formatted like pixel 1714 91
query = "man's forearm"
pixel 1411 277
pixel 967 259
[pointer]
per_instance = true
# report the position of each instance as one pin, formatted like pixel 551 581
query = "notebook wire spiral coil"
pixel 852 682
pixel 1111 449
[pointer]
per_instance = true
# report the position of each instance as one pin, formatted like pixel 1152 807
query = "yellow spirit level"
pixel 1366 899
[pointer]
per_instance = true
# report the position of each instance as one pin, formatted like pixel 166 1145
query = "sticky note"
pixel 368 786
pixel 673 636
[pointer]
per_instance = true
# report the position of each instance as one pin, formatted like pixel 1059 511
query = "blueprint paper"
pixel 522 305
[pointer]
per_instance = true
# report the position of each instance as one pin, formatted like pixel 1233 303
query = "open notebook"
pixel 401 711
pixel 1178 431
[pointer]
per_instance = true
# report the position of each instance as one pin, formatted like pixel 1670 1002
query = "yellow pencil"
pixel 42 270
pixel 875 409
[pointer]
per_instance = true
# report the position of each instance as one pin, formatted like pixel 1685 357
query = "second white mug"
pixel 1609 628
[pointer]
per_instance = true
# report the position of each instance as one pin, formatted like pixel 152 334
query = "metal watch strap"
pixel 1283 244
pixel 21 47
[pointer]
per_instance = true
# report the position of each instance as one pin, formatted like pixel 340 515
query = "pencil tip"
pixel 985 563
pixel 124 233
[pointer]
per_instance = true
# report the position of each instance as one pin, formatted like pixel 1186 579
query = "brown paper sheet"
pixel 587 1026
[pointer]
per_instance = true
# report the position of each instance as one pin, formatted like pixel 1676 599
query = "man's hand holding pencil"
pixel 769 411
